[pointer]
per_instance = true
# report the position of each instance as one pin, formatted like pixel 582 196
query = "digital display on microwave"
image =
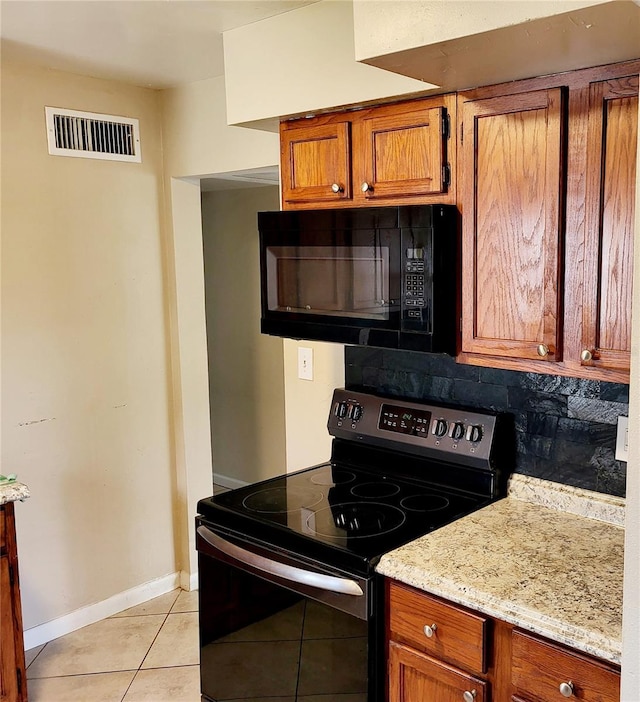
pixel 344 281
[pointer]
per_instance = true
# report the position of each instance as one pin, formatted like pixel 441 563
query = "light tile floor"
pixel 148 653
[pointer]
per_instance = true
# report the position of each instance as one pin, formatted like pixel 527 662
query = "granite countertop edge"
pixel 404 565
pixel 13 492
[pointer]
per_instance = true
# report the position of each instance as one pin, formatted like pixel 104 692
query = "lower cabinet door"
pixel 415 677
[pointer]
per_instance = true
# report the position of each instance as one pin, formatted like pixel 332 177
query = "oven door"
pixel 272 626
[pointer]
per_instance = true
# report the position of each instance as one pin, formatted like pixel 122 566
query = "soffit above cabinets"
pixel 596 33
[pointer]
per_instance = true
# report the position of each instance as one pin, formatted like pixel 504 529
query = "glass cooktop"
pixel 341 515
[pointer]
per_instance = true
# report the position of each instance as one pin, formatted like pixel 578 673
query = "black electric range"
pixel 310 539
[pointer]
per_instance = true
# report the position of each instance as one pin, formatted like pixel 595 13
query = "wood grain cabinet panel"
pixel 315 162
pixel 610 199
pixel 540 669
pixel 456 635
pixel 397 154
pixel 512 193
pixel 401 154
pixel 13 681
pixel 414 677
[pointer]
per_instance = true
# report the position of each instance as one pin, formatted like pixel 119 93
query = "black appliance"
pixel 380 276
pixel 290 605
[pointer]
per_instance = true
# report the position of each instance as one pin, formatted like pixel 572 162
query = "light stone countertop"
pixel 12 492
pixel 547 558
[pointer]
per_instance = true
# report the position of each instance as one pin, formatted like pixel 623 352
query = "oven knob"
pixel 439 427
pixel 340 410
pixel 457 431
pixel 474 433
pixel 358 411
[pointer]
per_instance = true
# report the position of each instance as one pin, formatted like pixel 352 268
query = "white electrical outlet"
pixel 305 363
pixel 622 439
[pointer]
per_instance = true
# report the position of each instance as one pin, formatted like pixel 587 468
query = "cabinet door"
pixel 414 677
pixel 12 665
pixel 512 193
pixel 610 198
pixel 315 163
pixel 399 152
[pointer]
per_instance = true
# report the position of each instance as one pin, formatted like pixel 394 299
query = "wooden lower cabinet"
pixel 442 652
pixel 414 677
pixel 13 681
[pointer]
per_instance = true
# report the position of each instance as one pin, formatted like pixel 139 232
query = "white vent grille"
pixel 92 135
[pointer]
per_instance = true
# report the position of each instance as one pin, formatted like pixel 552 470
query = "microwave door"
pixel 334 281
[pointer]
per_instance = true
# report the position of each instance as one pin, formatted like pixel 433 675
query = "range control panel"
pixel 446 433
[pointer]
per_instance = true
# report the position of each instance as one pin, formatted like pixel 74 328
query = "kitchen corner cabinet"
pixel 13 681
pixel 396 154
pixel 547 199
pixel 440 651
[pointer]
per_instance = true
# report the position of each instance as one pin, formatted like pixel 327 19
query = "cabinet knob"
pixel 543 350
pixel 566 689
pixel 366 187
pixel 586 355
pixel 337 188
pixel 429 631
pixel 469 695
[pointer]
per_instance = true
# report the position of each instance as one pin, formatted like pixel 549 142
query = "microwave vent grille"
pixel 92 135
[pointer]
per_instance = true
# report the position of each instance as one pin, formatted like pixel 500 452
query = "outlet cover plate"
pixel 622 439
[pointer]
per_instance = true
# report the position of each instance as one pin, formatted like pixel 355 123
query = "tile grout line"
pixel 144 658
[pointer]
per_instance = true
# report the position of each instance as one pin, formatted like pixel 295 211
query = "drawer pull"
pixel 566 689
pixel 429 631
pixel 469 695
pixel 337 188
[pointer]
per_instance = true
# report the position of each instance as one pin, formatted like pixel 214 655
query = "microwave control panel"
pixel 416 281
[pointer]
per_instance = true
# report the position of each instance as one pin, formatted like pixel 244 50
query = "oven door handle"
pixel 321 581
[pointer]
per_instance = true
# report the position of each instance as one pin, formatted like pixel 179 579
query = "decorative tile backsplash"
pixel 565 427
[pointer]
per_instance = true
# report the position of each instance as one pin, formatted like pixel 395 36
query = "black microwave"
pixel 379 276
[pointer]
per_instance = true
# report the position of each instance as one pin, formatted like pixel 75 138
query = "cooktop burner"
pixel 279 500
pixel 355 520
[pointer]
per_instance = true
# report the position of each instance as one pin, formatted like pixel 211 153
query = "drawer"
pixel 540 668
pixel 458 636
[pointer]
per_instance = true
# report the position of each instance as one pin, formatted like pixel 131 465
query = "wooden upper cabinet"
pixel 316 162
pixel 395 154
pixel 512 192
pixel 610 198
pixel 401 153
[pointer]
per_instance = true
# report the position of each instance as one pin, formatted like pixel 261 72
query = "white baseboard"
pixel 188 581
pixel 43 633
pixel 226 481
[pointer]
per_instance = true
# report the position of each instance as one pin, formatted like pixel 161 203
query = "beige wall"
pixel 197 139
pixel 85 401
pixel 308 401
pixel 245 367
pixel 301 61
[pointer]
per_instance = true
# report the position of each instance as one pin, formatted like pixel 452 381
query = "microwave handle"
pixel 281 570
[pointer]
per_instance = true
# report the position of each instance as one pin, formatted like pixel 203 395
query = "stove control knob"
pixel 457 431
pixel 474 433
pixel 357 413
pixel 340 410
pixel 439 427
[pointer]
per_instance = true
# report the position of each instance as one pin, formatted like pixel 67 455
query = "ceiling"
pixel 150 43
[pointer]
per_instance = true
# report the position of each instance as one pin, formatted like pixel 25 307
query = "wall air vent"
pixel 92 135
